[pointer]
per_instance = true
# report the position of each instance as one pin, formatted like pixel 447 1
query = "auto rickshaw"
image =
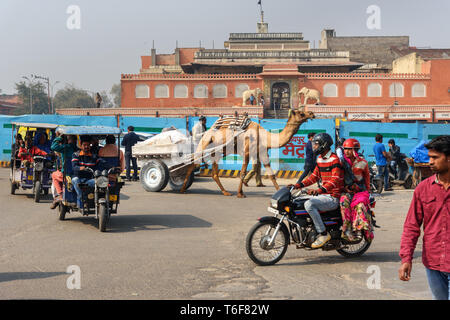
pixel 33 169
pixel 100 198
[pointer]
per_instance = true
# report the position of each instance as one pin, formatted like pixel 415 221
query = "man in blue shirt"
pixel 381 158
pixel 310 159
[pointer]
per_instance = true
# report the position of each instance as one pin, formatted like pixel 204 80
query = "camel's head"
pixel 300 116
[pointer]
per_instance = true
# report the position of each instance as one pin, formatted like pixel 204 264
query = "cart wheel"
pixel 408 182
pixel 176 182
pixel 154 175
pixel 13 188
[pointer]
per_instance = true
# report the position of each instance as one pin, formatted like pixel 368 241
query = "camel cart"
pixel 421 171
pixel 165 158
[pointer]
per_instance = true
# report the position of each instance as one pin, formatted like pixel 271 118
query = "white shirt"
pixel 197 132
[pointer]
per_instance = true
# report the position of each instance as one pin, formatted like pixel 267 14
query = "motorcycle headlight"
pixel 274 203
pixel 102 182
pixel 38 166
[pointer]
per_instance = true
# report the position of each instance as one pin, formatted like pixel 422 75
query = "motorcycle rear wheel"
pixel 353 249
pixel 257 243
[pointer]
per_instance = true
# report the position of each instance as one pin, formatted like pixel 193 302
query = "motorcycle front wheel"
pixel 258 247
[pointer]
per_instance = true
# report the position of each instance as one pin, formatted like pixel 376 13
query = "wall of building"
pixel 411 63
pixel 366 49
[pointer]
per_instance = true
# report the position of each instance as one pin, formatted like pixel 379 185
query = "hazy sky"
pixel 113 34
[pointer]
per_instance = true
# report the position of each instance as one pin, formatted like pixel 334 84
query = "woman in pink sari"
pixel 355 201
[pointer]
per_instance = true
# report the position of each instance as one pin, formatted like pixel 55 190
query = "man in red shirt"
pixel 330 172
pixel 431 206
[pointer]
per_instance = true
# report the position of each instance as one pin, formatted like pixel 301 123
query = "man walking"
pixel 430 206
pixel 256 171
pixel 381 159
pixel 128 141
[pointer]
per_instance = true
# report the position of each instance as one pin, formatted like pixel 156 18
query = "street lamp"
pixel 52 94
pixel 30 82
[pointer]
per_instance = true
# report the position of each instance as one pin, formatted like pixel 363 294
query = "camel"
pixel 309 94
pixel 247 93
pixel 253 143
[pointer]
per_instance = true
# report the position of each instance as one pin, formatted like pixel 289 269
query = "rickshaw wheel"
pixel 102 217
pixel 13 188
pixel 62 211
pixel 37 191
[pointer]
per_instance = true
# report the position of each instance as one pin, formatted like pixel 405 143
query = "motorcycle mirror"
pixel 97 173
pixel 104 172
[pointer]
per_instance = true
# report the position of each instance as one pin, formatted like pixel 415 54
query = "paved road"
pixel 172 246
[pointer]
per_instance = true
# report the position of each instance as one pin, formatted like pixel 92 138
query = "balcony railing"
pixel 312 54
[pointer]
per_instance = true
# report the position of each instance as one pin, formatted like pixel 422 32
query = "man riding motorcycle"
pixel 329 171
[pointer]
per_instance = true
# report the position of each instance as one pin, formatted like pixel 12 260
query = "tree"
pixel 71 97
pixel 38 97
pixel 116 92
pixel 106 100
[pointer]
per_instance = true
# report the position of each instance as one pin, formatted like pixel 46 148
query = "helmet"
pixel 351 143
pixel 324 141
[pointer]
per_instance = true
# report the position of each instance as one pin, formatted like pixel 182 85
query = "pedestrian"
pixel 198 130
pixel 98 100
pixel 252 99
pixel 394 152
pixel 256 171
pixel 381 159
pixel 430 206
pixel 262 101
pixel 128 141
pixel 310 158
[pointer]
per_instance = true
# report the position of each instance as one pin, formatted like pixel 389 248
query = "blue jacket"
pixel 129 140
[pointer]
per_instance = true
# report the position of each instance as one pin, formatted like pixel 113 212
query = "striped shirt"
pixel 329 171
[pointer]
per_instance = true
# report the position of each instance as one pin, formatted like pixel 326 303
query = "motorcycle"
pixel 376 183
pixel 399 173
pixel 268 240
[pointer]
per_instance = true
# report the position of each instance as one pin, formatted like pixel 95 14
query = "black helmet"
pixel 324 141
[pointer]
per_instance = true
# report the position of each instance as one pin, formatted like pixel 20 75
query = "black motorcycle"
pixel 267 240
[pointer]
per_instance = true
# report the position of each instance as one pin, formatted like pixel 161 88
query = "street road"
pixel 187 246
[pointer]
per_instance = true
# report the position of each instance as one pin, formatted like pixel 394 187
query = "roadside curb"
pixel 4 164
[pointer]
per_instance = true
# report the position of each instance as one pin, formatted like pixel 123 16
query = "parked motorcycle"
pixel 376 183
pixel 399 173
pixel 268 240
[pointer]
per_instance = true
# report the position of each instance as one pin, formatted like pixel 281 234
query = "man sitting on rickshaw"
pixel 66 149
pixel 80 161
pixel 27 152
pixel 111 156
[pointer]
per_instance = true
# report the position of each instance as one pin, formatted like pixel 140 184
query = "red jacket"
pixel 33 151
pixel 329 171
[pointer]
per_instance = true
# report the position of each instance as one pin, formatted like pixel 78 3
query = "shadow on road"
pixel 11 276
pixel 132 223
pixel 368 257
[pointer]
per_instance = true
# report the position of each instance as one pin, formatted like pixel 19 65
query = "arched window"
pixel 330 90
pixel 180 91
pixel 200 91
pixel 239 90
pixel 374 90
pixel 142 91
pixel 161 91
pixel 352 90
pixel 396 90
pixel 418 90
pixel 220 91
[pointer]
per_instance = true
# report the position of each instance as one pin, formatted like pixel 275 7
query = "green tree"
pixel 38 97
pixel 71 97
pixel 116 92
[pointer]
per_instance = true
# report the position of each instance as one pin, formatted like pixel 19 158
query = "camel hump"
pixel 236 122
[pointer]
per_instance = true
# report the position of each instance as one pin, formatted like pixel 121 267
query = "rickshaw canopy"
pixel 88 130
pixel 36 125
